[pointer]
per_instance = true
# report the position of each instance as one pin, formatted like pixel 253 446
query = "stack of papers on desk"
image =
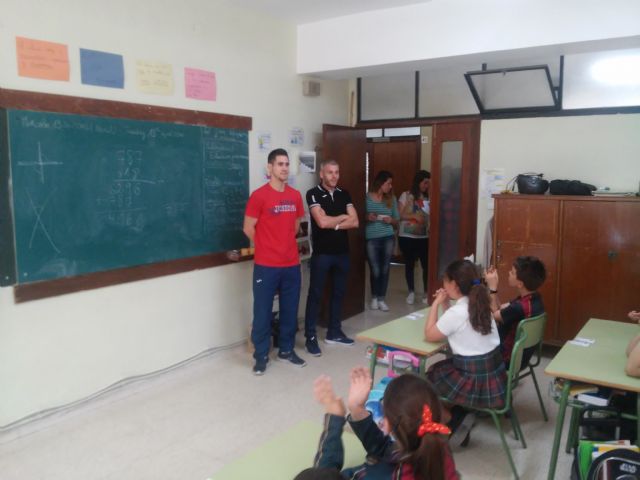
pixel 582 341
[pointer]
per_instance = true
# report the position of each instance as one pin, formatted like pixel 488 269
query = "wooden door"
pixel 600 268
pixel 401 157
pixel 528 225
pixel 453 196
pixel 348 146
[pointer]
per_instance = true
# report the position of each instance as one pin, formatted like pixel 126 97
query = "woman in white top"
pixel 475 375
pixel 413 234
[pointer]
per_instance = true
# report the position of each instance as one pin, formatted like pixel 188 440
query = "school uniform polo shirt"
pixel 327 240
pixel 518 309
pixel 463 339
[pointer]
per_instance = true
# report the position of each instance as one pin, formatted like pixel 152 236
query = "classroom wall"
pixel 59 350
pixel 603 150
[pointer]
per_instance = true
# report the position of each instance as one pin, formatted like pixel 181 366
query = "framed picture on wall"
pixel 308 162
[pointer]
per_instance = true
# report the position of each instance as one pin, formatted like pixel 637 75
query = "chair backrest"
pixel 534 328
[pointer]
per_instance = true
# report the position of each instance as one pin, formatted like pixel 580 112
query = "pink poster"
pixel 200 84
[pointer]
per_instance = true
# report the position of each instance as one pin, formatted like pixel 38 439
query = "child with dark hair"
pixel 474 376
pixel 412 415
pixel 527 274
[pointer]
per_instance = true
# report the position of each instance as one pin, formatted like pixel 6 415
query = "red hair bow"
pixel 428 425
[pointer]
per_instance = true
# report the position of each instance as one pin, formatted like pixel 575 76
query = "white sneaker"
pixel 425 300
pixel 383 306
pixel 374 304
pixel 411 298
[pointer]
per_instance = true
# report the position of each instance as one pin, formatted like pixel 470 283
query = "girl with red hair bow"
pixel 412 444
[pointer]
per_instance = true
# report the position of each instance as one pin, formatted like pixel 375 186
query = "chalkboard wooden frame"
pixel 23 100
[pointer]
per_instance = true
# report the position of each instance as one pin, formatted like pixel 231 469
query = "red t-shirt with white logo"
pixel 275 238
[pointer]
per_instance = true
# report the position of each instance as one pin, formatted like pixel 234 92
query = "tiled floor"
pixel 188 423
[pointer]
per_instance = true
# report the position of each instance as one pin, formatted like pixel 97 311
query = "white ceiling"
pixel 308 11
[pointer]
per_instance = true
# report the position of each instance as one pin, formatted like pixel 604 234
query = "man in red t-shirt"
pixel 271 220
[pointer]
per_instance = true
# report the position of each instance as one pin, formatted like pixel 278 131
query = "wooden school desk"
pixel 404 333
pixel 287 454
pixel 599 364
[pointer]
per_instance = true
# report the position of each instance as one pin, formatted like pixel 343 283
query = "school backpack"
pixel 618 464
pixel 399 362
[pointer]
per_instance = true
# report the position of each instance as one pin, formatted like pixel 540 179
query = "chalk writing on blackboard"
pixel 92 194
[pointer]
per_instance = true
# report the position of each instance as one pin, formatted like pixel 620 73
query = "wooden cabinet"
pixel 590 246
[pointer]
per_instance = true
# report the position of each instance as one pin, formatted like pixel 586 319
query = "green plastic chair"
pixel 497 413
pixel 534 328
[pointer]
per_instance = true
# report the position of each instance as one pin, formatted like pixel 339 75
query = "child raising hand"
pixel 412 414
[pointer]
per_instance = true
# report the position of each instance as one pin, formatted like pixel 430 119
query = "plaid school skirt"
pixel 473 381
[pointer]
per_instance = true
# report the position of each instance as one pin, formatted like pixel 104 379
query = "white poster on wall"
pixel 492 181
pixel 264 141
pixel 296 137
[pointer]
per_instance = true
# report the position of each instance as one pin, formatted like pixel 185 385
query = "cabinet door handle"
pixel 611 254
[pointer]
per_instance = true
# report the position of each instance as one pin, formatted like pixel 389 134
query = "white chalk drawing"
pixel 38 223
pixel 39 164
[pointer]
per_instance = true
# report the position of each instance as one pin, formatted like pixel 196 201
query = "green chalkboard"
pixel 90 194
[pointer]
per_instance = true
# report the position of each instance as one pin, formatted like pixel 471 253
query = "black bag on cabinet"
pixel 570 187
pixel 531 183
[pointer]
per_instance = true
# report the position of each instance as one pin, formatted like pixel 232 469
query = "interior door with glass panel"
pixel 453 196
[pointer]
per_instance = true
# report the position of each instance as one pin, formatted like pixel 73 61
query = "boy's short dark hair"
pixel 530 271
pixel 317 473
pixel 276 153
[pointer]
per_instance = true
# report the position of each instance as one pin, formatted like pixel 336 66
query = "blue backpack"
pixel 406 362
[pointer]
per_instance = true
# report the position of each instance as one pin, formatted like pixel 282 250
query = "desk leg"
pixel 422 369
pixel 558 434
pixel 638 419
pixel 372 363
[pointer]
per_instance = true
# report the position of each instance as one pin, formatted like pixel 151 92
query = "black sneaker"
pixel 260 367
pixel 312 346
pixel 460 436
pixel 292 358
pixel 339 339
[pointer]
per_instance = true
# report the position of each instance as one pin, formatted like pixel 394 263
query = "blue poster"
pixel 101 68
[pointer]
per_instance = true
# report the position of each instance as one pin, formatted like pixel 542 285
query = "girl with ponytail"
pixel 475 375
pixel 412 444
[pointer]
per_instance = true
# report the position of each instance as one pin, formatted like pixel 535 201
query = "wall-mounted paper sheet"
pixel 154 77
pixel 200 84
pixel 492 181
pixel 101 68
pixel 264 141
pixel 296 136
pixel 40 59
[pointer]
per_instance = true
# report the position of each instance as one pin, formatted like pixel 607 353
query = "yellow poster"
pixel 154 77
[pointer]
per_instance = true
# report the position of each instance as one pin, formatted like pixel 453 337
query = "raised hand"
pixel 324 395
pixel 491 277
pixel 359 389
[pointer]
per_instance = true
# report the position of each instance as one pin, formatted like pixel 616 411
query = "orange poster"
pixel 39 59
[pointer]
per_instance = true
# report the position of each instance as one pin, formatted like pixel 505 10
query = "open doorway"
pixel 450 151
